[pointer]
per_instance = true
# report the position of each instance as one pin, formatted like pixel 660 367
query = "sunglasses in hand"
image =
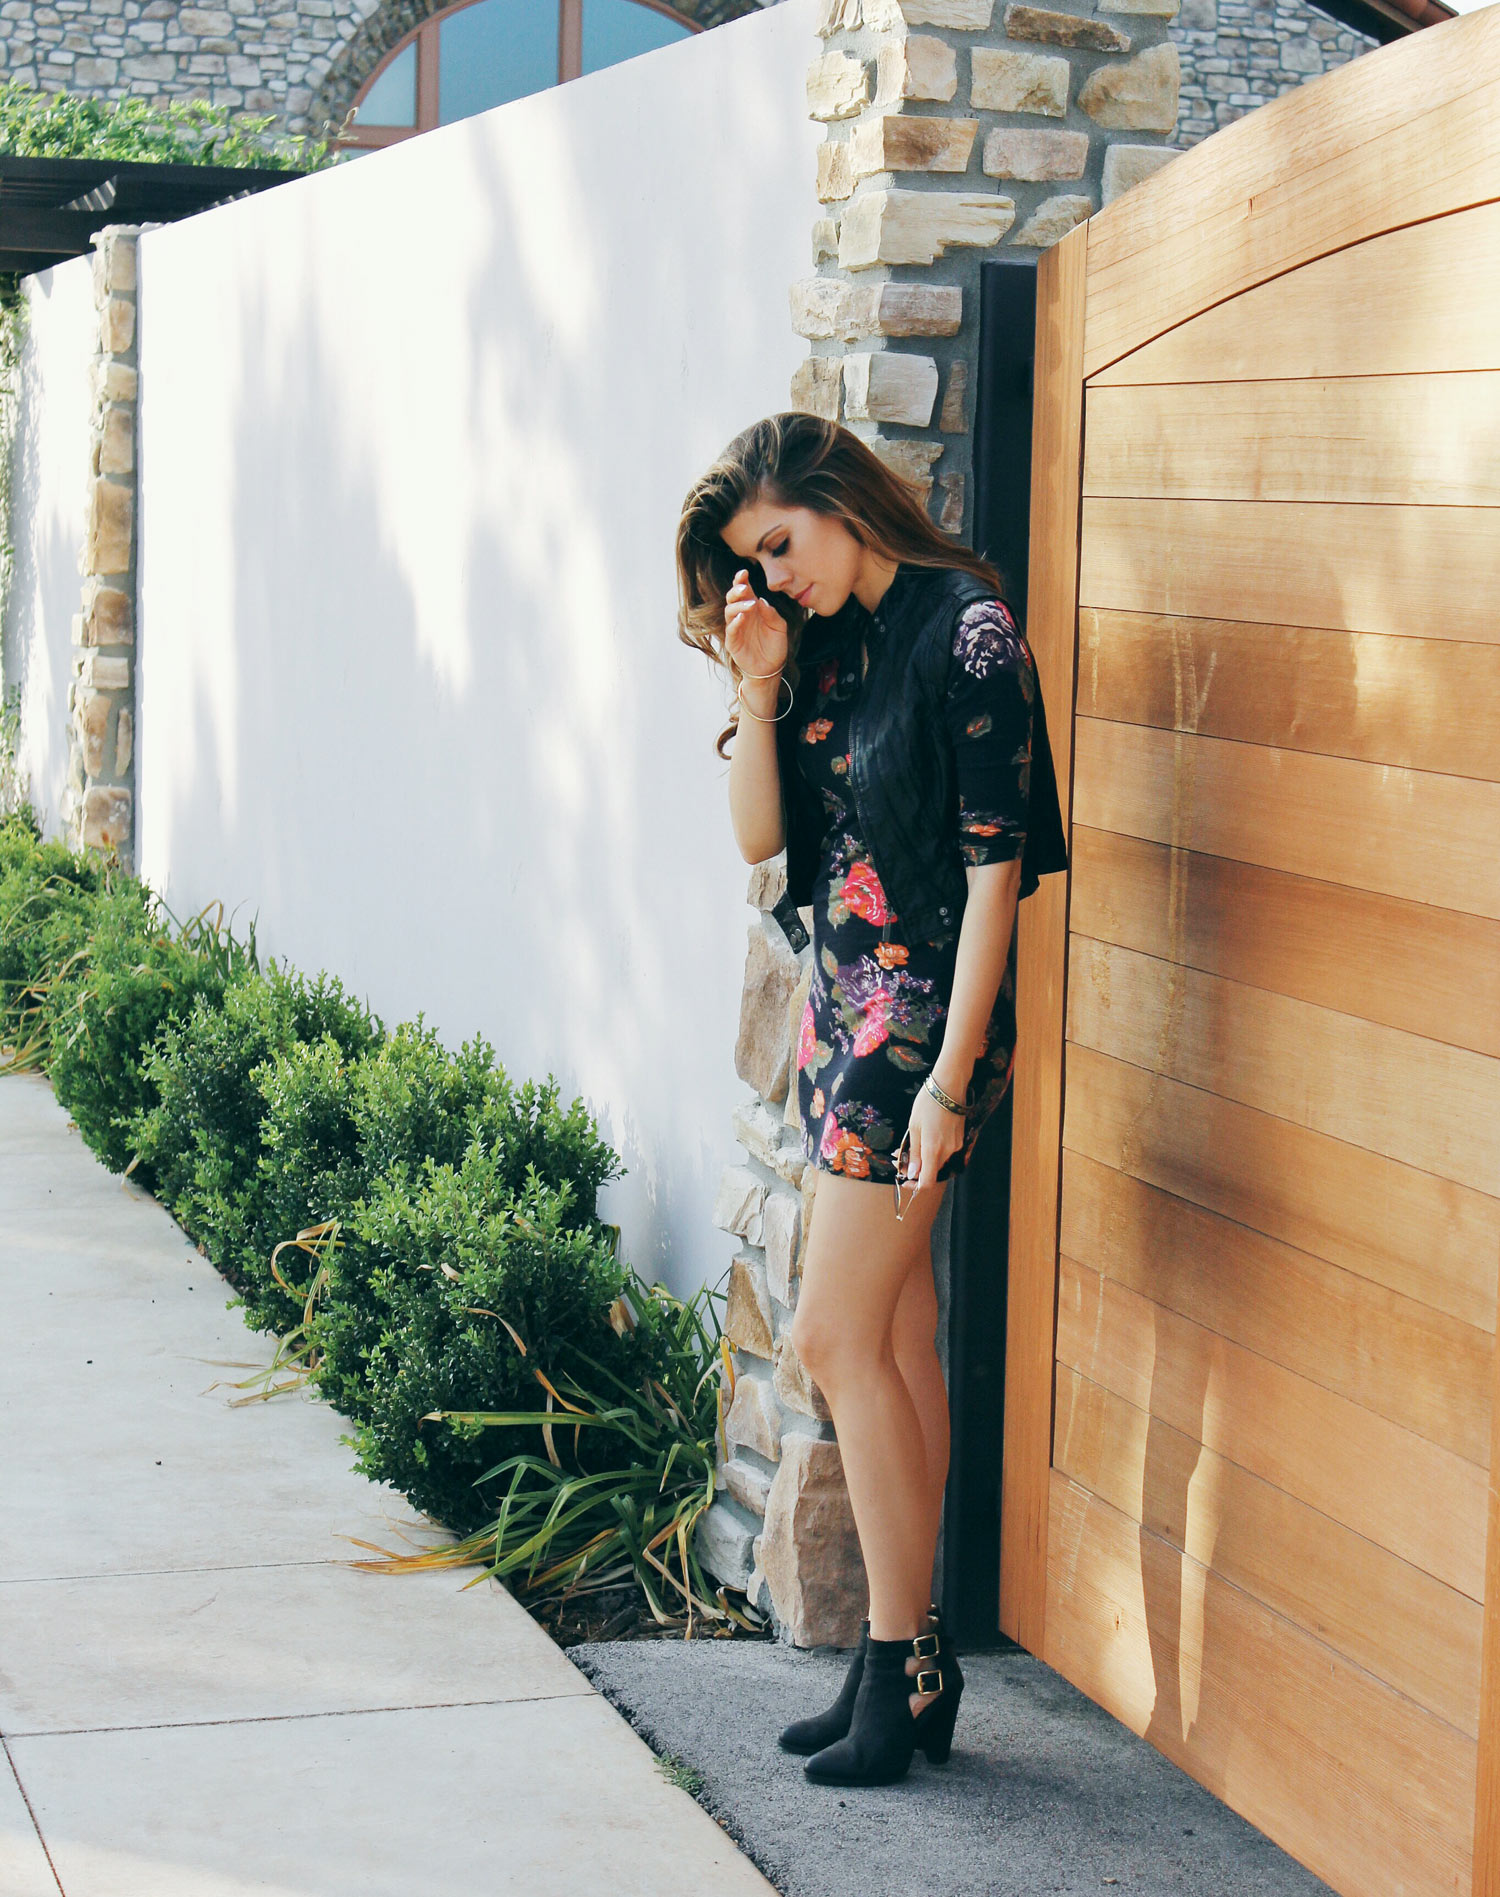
pixel 903 1156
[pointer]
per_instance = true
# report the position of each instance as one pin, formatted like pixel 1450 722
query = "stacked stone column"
pixel 956 127
pixel 99 803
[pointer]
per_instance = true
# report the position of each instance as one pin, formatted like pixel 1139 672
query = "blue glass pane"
pixel 619 29
pixel 392 100
pixel 494 52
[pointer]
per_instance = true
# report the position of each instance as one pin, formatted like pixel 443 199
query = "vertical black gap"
pixel 979 1242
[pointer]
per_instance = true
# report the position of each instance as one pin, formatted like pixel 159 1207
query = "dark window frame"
pixel 426 38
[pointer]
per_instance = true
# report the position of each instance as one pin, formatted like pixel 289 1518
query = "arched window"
pixel 484 53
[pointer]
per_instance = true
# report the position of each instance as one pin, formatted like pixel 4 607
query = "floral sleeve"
pixel 991 689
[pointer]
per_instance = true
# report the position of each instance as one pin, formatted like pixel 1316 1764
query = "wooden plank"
pixel 1294 180
pixel 1394 1355
pixel 1374 308
pixel 1418 1234
pixel 1420 440
pixel 1430 971
pixel 1041 956
pixel 1423 704
pixel 1418 1101
pixel 1352 1779
pixel 1355 568
pixel 1380 1612
pixel 1410 834
pixel 1407 1495
pixel 1487 1770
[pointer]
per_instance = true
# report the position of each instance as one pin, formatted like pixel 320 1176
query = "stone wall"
pixel 98 803
pixel 304 60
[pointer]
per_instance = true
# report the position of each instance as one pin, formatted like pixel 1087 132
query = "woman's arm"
pixel 983 948
pixel 755 775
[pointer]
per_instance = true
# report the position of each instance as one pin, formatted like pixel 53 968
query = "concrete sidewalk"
pixel 197 1698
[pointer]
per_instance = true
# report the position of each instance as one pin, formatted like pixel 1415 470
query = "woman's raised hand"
pixel 755 634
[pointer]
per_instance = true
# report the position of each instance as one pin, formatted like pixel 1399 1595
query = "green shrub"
pixel 460 1257
pixel 36 124
pixel 201 1139
pixel 47 898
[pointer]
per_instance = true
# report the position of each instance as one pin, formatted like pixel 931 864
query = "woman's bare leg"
pixel 858 1262
pixel 914 1338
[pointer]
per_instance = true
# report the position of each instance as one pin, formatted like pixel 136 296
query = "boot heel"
pixel 936 1739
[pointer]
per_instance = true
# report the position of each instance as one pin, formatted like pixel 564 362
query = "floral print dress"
pixel 876 1011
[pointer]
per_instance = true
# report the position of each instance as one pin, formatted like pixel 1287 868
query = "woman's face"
pixel 812 558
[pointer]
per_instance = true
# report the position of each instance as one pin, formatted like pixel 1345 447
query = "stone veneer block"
pixel 108 618
pixel 1053 218
pixel 117 442
pixel 916 68
pixel 111 525
pixel 754 1419
pixel 789 1164
pixel 748 1322
pixel 1139 95
pixel 951 514
pixel 837 16
pixel 890 387
pixel 124 741
pixel 105 671
pixel 824 307
pixel 809 1548
pixel 1158 9
pixel 117 327
pixel 838 86
pixel 117 382
pixel 737 1208
pixel 1005 81
pixel 723 1543
pixel 783 1221
pixel 897 143
pixel 767 881
pixel 918 309
pixel 954 419
pixel 91 711
pixel 1015 151
pixel 794 1386
pixel 758 1130
pixel 912 460
pixel 750 1487
pixel 1064 29
pixel 825 239
pixel 916 227
pixel 965 16
pixel 106 817
pixel 817 384
pixel 835 179
pixel 771 972
pixel 1126 166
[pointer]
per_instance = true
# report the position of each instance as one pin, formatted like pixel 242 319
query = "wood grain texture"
pixel 1411 834
pixel 1422 1102
pixel 1418 440
pixel 1374 308
pixel 1415 1366
pixel 1356 1781
pixel 1430 971
pixel 1487 1768
pixel 1423 704
pixel 1380 1612
pixel 1407 1495
pixel 1296 180
pixel 1424 571
pixel 1425 1237
pixel 1041 957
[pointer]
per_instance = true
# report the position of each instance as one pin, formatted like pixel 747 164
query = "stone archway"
pixel 389 23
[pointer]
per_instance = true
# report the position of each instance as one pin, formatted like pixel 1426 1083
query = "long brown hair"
pixel 795 460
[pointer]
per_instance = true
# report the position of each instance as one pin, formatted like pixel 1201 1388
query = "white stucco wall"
pixel 415 433
pixel 49 498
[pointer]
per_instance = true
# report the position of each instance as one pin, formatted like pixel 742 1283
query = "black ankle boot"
pixel 811 1735
pixel 936 1720
pixel 882 1733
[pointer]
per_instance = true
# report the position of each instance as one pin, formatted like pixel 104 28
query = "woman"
pixel 884 738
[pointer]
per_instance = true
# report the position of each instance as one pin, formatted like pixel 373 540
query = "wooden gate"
pixel 1255 1229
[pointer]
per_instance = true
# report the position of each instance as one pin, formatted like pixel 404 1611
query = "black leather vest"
pixel 901 772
